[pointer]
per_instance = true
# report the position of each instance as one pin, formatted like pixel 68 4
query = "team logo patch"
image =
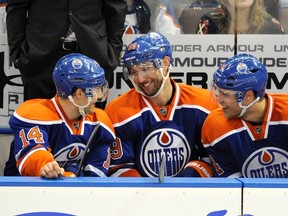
pixel 77 63
pixel 242 68
pixel 73 152
pixel 168 142
pixel 266 163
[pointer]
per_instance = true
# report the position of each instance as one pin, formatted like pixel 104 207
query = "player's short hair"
pixel 75 71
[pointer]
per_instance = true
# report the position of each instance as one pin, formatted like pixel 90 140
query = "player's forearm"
pixel 32 163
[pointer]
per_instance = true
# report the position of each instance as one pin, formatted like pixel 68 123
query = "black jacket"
pixel 36 29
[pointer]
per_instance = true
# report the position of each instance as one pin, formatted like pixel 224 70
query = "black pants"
pixel 10 166
pixel 37 77
pixel 38 81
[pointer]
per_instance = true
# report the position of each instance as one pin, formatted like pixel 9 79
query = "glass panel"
pixel 217 16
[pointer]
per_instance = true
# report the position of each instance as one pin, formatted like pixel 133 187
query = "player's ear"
pixel 166 62
pixel 249 95
pixel 79 93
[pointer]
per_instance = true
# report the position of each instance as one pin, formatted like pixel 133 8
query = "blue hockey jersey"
pixel 238 148
pixel 42 132
pixel 146 133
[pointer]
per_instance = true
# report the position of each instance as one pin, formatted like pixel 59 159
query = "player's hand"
pixel 51 170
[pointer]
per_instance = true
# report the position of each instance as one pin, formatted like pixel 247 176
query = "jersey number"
pixel 107 162
pixel 116 149
pixel 33 134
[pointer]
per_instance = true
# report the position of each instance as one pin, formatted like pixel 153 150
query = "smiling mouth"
pixel 224 108
pixel 146 84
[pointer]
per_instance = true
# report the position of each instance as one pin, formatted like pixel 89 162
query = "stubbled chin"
pixel 146 88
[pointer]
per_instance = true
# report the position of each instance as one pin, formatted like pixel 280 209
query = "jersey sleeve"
pixel 223 161
pixel 121 112
pixel 123 154
pixel 31 148
pixel 216 140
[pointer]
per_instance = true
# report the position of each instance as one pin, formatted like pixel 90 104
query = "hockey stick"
pixel 161 170
pixel 91 138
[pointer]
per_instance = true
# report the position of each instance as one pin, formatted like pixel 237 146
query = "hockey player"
pixel 50 135
pixel 247 136
pixel 158 120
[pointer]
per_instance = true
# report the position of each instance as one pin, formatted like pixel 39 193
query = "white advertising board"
pixel 196 57
pixel 122 197
pixel 266 201
pixel 121 201
pixel 265 196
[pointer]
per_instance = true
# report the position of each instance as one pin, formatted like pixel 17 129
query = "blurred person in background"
pixel 146 16
pixel 191 14
pixel 137 20
pixel 163 17
pixel 241 17
pixel 272 7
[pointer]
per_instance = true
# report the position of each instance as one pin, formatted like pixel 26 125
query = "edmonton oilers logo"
pixel 74 151
pixel 77 63
pixel 168 142
pixel 242 68
pixel 268 162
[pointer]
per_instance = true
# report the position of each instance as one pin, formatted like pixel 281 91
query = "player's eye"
pixel 145 69
pixel 133 72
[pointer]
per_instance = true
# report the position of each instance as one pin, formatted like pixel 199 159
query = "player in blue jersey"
pixel 247 136
pixel 159 119
pixel 50 135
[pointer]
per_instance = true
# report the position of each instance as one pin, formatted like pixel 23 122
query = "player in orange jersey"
pixel 159 121
pixel 51 135
pixel 247 136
